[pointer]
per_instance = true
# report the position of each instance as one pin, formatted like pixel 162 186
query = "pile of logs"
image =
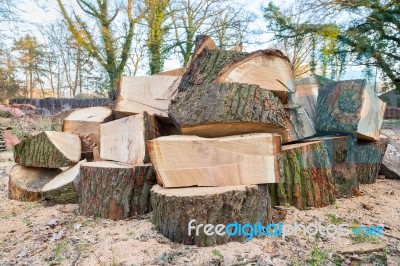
pixel 225 142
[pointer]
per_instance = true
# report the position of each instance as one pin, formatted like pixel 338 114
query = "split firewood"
pixel 150 94
pixel 49 149
pixel 307 179
pixel 390 167
pixel 269 69
pixel 183 161
pixel 225 109
pixel 201 43
pixel 115 191
pixel 173 209
pixel 341 157
pixel 350 106
pixel 26 184
pixel 124 140
pixel 86 123
pixel 368 158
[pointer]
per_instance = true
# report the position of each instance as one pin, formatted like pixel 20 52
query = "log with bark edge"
pixel 368 158
pixel 115 191
pixel 350 106
pixel 49 149
pixel 269 69
pixel 183 161
pixel 125 140
pixel 224 109
pixel 174 208
pixel 86 123
pixel 26 184
pixel 390 167
pixel 307 179
pixel 150 94
pixel 202 42
pixel 341 157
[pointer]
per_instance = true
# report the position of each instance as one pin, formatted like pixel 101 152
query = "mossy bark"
pixel 307 177
pixel 115 192
pixel 173 211
pixel 368 158
pixel 228 103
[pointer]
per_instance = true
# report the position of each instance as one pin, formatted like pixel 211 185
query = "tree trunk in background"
pixel 115 191
pixel 173 209
pixel 307 177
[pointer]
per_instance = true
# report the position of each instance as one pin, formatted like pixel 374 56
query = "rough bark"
pixel 269 69
pixel 184 161
pixel 341 158
pixel 390 167
pixel 225 109
pixel 49 149
pixel 26 184
pixel 368 158
pixel 350 106
pixel 307 177
pixel 125 140
pixel 115 191
pixel 86 123
pixel 202 42
pixel 174 208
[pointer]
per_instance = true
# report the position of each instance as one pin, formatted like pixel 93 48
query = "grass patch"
pixel 217 253
pixel 59 249
pixel 318 257
pixel 335 219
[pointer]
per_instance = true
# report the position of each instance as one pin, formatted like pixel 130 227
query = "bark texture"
pixel 115 191
pixel 307 177
pixel 368 158
pixel 390 167
pixel 40 151
pixel 174 208
pixel 228 109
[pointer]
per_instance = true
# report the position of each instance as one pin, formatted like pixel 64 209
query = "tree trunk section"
pixel 115 191
pixel 49 149
pixel 226 109
pixel 390 167
pixel 125 140
pixel 307 177
pixel 184 161
pixel 368 158
pixel 173 209
pixel 350 106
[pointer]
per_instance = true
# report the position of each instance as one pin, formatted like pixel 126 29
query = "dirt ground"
pixel 40 234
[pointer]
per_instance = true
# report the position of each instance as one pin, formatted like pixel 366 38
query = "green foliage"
pixel 334 219
pixel 318 257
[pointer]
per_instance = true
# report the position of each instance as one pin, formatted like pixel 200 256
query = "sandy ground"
pixel 40 234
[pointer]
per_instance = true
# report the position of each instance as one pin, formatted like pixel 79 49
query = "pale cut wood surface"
pixel 124 140
pixel 67 144
pixel 202 42
pixel 183 161
pixel 148 93
pixel 66 177
pixel 173 72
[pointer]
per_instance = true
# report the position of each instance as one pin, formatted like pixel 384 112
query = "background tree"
pixel 9 84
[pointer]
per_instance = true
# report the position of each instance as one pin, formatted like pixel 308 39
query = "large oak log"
pixel 341 157
pixel 350 106
pixel 182 161
pixel 115 191
pixel 307 179
pixel 225 109
pixel 124 140
pixel 150 94
pixel 86 123
pixel 390 167
pixel 26 184
pixel 269 69
pixel 174 208
pixel 368 158
pixel 49 149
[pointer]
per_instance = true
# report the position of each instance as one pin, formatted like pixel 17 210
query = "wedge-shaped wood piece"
pixel 124 140
pixel 150 94
pixel 183 161
pixel 217 110
pixel 350 106
pixel 269 69
pixel 49 149
pixel 86 123
pixel 177 72
pixel 174 209
pixel 341 156
pixel 390 167
pixel 26 184
pixel 307 179
pixel 115 191
pixel 368 158
pixel 202 42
